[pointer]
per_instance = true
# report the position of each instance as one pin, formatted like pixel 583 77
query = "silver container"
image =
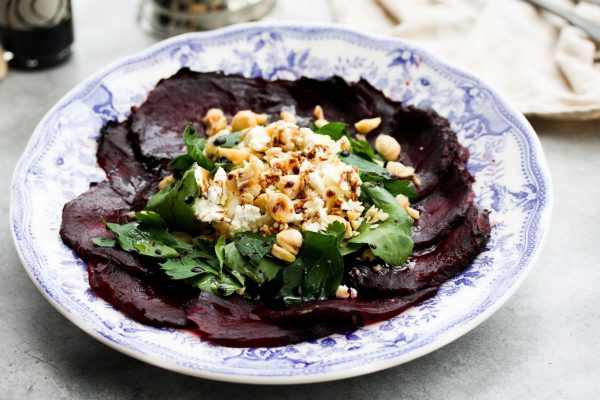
pixel 165 18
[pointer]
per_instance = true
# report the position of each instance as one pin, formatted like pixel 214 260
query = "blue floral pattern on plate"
pixel 506 159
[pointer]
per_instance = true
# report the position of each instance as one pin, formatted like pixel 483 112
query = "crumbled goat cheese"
pixel 207 211
pixel 246 218
pixel 297 166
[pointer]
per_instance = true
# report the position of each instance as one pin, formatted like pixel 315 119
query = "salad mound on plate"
pixel 286 211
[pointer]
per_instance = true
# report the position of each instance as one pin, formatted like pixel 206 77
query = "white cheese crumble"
pixel 246 218
pixel 283 177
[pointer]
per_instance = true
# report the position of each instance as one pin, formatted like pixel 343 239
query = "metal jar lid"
pixel 166 18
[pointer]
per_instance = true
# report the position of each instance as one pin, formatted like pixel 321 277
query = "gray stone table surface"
pixel 543 344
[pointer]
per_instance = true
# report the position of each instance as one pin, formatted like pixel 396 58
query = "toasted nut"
pixel 321 122
pixel 261 202
pixel 346 224
pixel 261 119
pixel 284 138
pixel 201 176
pixel 287 116
pixel 354 218
pixel 416 180
pixel 242 120
pixel 237 156
pixel 403 201
pixel 365 126
pixel 345 144
pixel 367 255
pixel 214 121
pixel 318 112
pixel 231 183
pixel 246 198
pixel 388 147
pixel 287 246
pixel 342 292
pixel 399 169
pixel 282 254
pixel 167 180
pixel 332 197
pixel 414 214
pixel 405 204
pixel 222 228
pixel 280 207
pixel 290 240
pixel 291 185
pixel 248 177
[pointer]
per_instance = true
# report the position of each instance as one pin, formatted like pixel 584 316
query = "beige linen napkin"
pixel 544 65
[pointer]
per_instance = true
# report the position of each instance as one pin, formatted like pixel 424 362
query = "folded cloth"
pixel 544 65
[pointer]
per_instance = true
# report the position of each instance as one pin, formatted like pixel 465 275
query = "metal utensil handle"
pixel 588 26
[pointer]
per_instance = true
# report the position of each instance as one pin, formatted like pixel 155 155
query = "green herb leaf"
pixel 220 251
pixel 254 246
pixel 366 167
pixel 318 269
pixel 231 140
pixel 349 248
pixel 150 218
pixel 400 186
pixel 104 242
pixel 203 249
pixel 174 203
pixel 291 276
pixel 234 260
pixel 266 270
pixel 195 147
pixel 323 263
pixel 362 148
pixel 391 240
pixel 180 164
pixel 223 285
pixel 195 154
pixel 187 267
pixel 334 130
pixel 270 268
pixel 149 241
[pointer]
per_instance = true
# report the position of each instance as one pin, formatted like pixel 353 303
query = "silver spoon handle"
pixel 588 26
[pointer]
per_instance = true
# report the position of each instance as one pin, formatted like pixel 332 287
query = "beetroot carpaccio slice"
pixel 135 298
pixel 127 175
pixel 133 153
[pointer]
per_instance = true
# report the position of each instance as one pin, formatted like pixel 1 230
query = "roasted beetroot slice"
pixel 157 125
pixel 126 174
pixel 136 299
pixel 82 222
pixel 449 257
pixel 428 144
pixel 457 251
pixel 445 207
pixel 230 321
pixel 349 311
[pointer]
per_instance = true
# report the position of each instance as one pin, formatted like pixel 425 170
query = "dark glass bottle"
pixel 38 33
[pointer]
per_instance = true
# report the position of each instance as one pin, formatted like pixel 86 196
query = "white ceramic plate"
pixel 506 159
